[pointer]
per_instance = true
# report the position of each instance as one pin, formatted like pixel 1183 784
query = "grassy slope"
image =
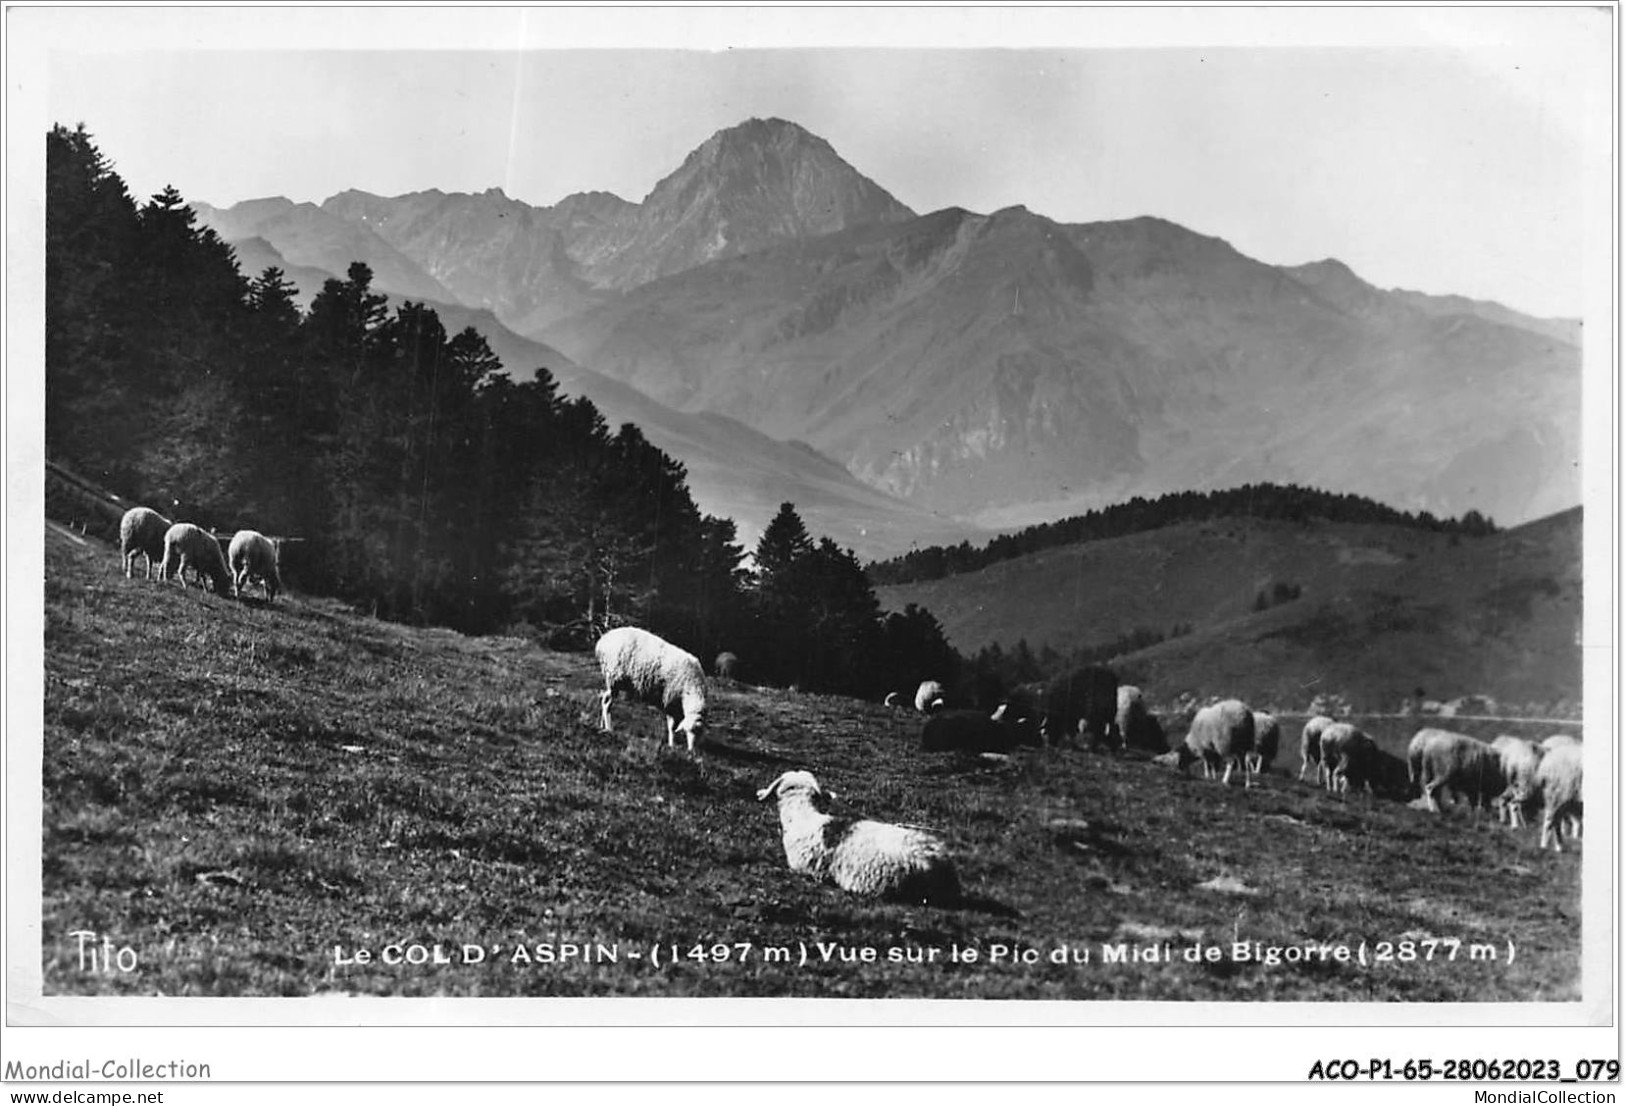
pixel 233 790
pixel 1497 615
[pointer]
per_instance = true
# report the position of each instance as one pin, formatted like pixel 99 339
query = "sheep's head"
pixel 791 783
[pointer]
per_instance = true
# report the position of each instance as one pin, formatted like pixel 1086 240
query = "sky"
pixel 1447 151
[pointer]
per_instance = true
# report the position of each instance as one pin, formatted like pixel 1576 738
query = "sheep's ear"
pixel 769 791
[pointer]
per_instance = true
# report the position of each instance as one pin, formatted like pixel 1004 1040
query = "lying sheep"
pixel 969 731
pixel 1136 724
pixel 1559 785
pixel 1309 751
pixel 1466 765
pixel 1266 743
pixel 141 533
pixel 1220 734
pixel 191 547
pixel 866 858
pixel 653 671
pixel 1519 760
pixel 929 697
pixel 253 556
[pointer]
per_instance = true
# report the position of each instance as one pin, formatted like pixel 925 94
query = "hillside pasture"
pixel 251 798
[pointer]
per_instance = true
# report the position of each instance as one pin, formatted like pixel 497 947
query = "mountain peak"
pixel 746 187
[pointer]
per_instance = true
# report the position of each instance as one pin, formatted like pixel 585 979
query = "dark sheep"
pixel 1082 702
pixel 968 731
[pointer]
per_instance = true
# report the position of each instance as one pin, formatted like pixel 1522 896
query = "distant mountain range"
pixel 990 370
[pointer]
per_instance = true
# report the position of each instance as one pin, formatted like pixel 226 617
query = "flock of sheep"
pixel 177 547
pixel 912 863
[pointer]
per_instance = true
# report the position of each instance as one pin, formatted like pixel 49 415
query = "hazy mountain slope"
pixel 733 471
pixel 1011 368
pixel 1498 615
pixel 305 235
pixel 491 251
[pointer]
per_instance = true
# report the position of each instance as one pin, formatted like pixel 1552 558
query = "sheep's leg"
pixel 129 566
pixel 1551 831
pixel 671 732
pixel 603 704
pixel 1229 767
pixel 1430 795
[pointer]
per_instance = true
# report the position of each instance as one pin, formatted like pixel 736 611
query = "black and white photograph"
pixel 1091 516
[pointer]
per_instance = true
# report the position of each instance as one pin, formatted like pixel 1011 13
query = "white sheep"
pixel 1559 785
pixel 253 556
pixel 187 546
pixel 1220 734
pixel 653 671
pixel 1266 742
pixel 141 533
pixel 1520 759
pixel 1468 766
pixel 1309 750
pixel 1557 739
pixel 864 857
pixel 929 697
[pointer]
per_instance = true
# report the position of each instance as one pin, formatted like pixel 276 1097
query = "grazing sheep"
pixel 1137 726
pixel 1348 757
pixel 1082 702
pixel 1468 766
pixel 253 556
pixel 1309 751
pixel 929 697
pixel 1519 760
pixel 187 546
pixel 1559 785
pixel 726 666
pixel 866 858
pixel 1220 734
pixel 653 671
pixel 141 533
pixel 969 731
pixel 1266 742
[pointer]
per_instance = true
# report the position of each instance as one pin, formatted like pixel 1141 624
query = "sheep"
pixel 1309 751
pixel 1349 758
pixel 1082 702
pixel 141 533
pixel 1468 766
pixel 969 730
pixel 1137 726
pixel 1519 760
pixel 1220 734
pixel 252 555
pixel 187 546
pixel 1557 739
pixel 726 666
pixel 1266 743
pixel 1559 785
pixel 653 671
pixel 929 697
pixel 866 858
